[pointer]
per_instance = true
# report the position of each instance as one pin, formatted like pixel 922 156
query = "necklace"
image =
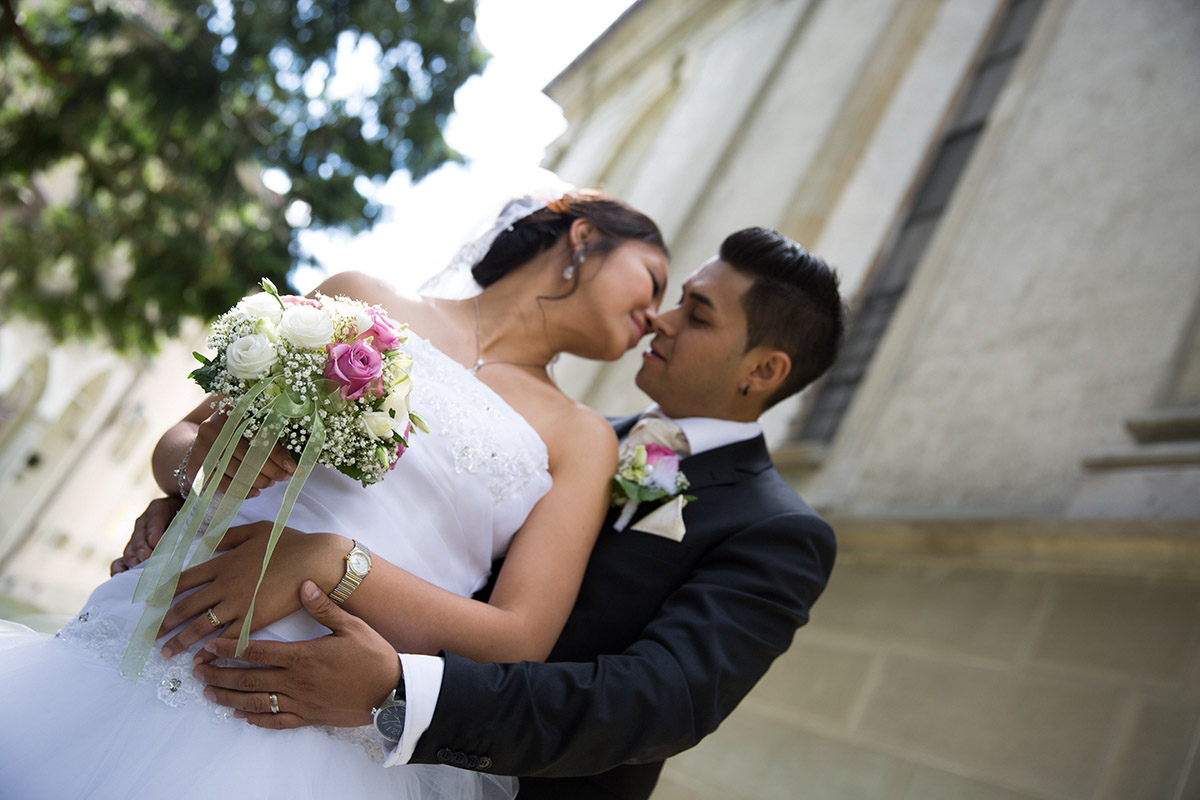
pixel 479 361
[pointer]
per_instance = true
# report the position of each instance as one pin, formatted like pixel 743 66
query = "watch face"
pixel 358 562
pixel 390 721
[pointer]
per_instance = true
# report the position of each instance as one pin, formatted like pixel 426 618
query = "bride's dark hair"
pixel 615 221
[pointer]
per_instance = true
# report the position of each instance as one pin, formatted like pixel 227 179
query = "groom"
pixel 666 636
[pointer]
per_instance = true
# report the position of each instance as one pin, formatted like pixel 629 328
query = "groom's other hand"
pixel 335 680
pixel 147 530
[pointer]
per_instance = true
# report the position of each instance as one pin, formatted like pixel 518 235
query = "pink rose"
pixel 655 452
pixel 293 300
pixel 400 447
pixel 386 332
pixel 356 367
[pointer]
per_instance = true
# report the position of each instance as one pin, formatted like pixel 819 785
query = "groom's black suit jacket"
pixel 664 641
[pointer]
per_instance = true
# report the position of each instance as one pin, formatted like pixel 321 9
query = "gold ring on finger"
pixel 273 700
pixel 212 619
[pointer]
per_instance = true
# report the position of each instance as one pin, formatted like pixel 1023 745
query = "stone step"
pixel 1172 424
pixel 1158 454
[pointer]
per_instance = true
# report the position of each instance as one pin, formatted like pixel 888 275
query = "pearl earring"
pixel 576 262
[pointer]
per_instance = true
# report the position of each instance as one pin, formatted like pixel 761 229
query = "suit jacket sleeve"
pixel 712 639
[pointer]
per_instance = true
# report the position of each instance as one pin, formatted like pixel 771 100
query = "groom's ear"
pixel 768 369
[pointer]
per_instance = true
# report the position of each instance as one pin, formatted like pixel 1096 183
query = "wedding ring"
pixel 212 619
pixel 273 699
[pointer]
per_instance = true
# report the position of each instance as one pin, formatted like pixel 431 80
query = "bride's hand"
pixel 226 582
pixel 279 466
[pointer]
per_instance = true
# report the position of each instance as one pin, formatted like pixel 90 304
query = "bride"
pixel 510 466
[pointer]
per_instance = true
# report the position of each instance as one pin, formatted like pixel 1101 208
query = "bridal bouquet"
pixel 330 363
pixel 323 377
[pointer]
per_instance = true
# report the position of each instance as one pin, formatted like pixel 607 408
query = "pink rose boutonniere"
pixel 650 473
pixel 357 368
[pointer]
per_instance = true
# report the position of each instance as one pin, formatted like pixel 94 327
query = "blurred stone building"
pixel 1009 446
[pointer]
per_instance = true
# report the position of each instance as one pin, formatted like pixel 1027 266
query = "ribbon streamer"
pixel 160 577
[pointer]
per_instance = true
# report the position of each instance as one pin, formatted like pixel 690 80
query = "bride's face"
pixel 617 297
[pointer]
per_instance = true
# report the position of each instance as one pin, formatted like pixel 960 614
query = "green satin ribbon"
pixel 160 577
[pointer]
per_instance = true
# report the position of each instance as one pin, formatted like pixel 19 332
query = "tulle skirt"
pixel 72 727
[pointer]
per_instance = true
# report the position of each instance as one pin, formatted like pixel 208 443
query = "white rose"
pixel 396 402
pixel 378 424
pixel 250 356
pixel 305 326
pixel 261 305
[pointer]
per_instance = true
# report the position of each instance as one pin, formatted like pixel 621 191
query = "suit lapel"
pixel 721 465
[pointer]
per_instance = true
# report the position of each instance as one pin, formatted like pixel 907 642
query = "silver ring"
pixel 273 699
pixel 212 619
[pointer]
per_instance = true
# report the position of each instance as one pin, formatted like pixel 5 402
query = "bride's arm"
pixel 542 572
pixel 530 603
pixel 192 437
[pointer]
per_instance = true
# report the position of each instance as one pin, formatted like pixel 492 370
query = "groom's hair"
pixel 616 222
pixel 793 304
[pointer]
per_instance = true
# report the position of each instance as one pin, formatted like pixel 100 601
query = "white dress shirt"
pixel 423 674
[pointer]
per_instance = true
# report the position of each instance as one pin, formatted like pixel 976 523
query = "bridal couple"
pixel 535 637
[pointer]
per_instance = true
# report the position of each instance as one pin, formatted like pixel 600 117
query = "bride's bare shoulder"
pixel 369 289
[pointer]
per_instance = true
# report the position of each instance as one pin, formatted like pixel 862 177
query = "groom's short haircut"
pixel 793 304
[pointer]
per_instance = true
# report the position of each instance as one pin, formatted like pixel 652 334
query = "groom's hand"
pixel 147 530
pixel 335 680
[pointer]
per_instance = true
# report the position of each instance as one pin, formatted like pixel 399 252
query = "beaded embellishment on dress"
pixel 468 413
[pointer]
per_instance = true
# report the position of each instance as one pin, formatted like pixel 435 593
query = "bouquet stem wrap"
pixel 160 577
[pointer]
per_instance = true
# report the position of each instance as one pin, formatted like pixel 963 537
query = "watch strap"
pixel 351 579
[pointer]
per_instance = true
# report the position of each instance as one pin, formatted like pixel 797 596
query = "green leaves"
pixel 131 145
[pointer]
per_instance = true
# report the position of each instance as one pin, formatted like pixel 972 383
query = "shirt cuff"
pixel 422 686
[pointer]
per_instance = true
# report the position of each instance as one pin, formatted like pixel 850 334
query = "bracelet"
pixel 181 472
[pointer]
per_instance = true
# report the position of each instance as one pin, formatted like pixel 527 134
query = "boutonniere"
pixel 650 473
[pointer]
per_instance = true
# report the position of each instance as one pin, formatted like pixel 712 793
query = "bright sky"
pixel 502 126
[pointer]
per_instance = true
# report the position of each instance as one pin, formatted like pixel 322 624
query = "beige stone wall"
pixel 1054 299
pixel 91 430
pixel 921 681
pixel 1051 304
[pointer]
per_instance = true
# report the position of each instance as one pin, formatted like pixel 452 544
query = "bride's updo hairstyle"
pixel 615 222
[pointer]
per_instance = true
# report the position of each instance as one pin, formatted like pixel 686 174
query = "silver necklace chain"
pixel 479 360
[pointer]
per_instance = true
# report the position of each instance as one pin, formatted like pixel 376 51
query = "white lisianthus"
pixel 378 424
pixel 267 328
pixel 261 305
pixel 250 356
pixel 305 326
pixel 396 404
pixel 362 320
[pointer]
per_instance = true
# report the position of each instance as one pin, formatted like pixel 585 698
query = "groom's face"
pixel 693 364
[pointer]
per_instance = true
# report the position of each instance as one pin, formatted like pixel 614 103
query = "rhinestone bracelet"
pixel 181 472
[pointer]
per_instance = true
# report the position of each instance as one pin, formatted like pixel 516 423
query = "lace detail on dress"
pixel 98 633
pixel 172 680
pixel 485 433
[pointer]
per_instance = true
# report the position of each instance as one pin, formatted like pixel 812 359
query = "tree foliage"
pixel 133 134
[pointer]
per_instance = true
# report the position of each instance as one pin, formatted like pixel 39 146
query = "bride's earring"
pixel 576 263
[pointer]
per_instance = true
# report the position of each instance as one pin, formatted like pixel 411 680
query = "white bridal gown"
pixel 72 726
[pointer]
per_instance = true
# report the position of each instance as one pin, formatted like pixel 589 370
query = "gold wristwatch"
pixel 358 564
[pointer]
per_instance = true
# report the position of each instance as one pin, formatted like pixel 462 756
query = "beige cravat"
pixel 667 519
pixel 657 430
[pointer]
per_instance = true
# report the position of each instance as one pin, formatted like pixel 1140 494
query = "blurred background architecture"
pixel 1009 447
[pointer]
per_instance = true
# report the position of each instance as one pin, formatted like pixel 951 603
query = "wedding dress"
pixel 72 726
